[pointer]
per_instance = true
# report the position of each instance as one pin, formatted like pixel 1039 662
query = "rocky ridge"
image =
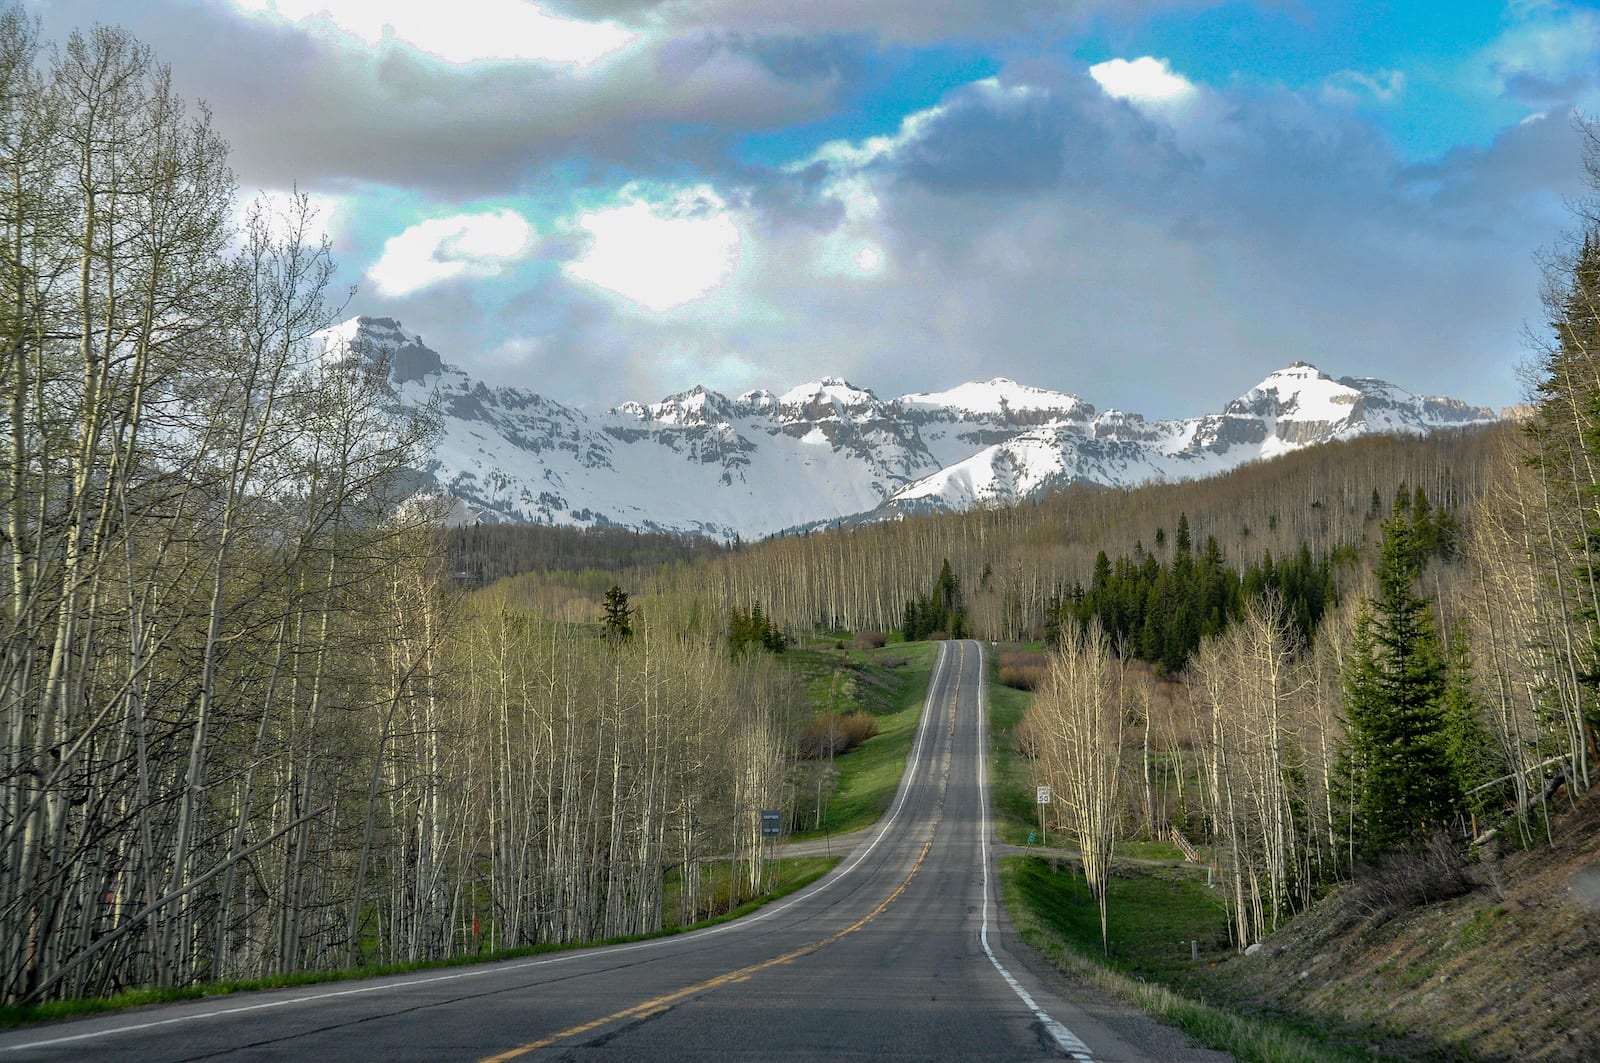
pixel 759 463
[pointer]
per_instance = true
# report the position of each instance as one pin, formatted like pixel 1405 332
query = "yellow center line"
pixel 656 1006
pixel 659 1004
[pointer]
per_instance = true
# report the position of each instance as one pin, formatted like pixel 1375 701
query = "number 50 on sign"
pixel 1043 795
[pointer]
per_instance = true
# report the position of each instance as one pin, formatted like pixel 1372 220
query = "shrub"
pixel 833 733
pixel 869 640
pixel 1403 880
pixel 1022 669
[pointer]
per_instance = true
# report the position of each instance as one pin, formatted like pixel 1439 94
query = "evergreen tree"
pixel 617 621
pixel 942 610
pixel 1396 766
pixel 1475 757
pixel 753 629
pixel 1160 611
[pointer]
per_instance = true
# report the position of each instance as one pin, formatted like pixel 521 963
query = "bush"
pixel 833 733
pixel 1400 881
pixel 1022 669
pixel 869 640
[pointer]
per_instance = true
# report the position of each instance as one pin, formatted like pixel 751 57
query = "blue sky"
pixel 1149 203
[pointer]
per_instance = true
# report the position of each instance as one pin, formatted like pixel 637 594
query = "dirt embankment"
pixel 1509 970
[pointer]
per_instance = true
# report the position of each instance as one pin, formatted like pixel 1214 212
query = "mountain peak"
pixel 381 339
pixel 1300 389
pixel 1004 398
pixel 699 462
pixel 833 390
pixel 698 405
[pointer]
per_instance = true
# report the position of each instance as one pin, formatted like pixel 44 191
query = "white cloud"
pixel 843 154
pixel 660 252
pixel 869 259
pixel 1353 86
pixel 1547 49
pixel 1145 80
pixel 440 249
pixel 854 247
pixel 459 31
pixel 726 371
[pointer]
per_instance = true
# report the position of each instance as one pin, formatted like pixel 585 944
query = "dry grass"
pixel 833 733
pixel 1022 669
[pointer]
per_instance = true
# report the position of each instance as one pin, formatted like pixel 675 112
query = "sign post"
pixel 1042 798
pixel 771 828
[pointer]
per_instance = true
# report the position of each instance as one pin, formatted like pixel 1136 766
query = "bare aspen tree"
pixel 1249 683
pixel 1076 720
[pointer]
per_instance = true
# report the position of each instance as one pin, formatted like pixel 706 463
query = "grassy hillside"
pixel 889 684
pixel 1504 971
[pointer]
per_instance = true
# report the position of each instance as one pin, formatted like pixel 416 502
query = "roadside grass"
pixel 1010 777
pixel 788 875
pixel 891 683
pixel 1154 916
pixel 792 875
pixel 1151 920
pixel 1149 850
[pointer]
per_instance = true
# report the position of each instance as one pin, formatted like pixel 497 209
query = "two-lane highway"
pixel 900 953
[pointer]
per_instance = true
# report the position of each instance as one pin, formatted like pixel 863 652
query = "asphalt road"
pixel 901 953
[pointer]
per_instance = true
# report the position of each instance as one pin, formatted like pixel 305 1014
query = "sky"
pixel 1151 204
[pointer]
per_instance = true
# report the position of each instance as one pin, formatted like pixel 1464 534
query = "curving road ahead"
pixel 900 953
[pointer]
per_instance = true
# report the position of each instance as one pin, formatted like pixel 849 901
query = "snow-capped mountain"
pixel 1295 407
pixel 761 462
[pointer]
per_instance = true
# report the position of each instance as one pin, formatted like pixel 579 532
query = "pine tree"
pixel 617 622
pixel 1474 756
pixel 1399 778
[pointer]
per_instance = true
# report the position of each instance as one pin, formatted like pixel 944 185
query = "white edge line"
pixel 913 763
pixel 1070 1042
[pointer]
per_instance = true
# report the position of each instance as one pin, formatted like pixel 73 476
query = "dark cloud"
pixel 1538 89
pixel 308 108
pixel 1017 147
pixel 630 11
pixel 894 21
pixel 1522 176
pixel 1070 241
pixel 1156 258
pixel 832 58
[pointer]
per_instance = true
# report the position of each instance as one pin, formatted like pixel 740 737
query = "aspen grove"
pixel 244 731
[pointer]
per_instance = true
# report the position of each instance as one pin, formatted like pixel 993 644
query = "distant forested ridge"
pixel 480 554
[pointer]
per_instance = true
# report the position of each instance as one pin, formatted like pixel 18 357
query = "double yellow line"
pixel 660 1004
